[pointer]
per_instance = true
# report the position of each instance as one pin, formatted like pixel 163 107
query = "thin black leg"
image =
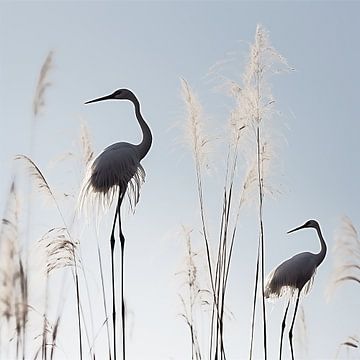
pixel 122 246
pixel 283 324
pixel 112 246
pixel 292 325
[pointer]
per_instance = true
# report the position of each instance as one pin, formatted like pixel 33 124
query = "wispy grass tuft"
pixel 42 85
pixel 38 178
pixel 59 249
pixel 347 256
pixel 42 185
pixel 193 298
pixel 86 145
pixel 13 278
pixel 257 106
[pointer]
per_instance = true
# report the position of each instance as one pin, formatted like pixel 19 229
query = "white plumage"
pixel 295 274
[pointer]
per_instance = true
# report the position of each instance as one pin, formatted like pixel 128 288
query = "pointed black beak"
pixel 107 97
pixel 296 229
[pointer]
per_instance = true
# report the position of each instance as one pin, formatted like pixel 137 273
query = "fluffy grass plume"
pixel 41 184
pixel 192 297
pixel 59 249
pixel 42 84
pixel 347 256
pixel 199 142
pixel 86 145
pixel 37 176
pixel 194 130
pixel 255 104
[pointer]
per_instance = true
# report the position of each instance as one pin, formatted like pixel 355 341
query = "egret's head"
pixel 308 224
pixel 121 94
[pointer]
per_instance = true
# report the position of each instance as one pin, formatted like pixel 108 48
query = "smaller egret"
pixel 295 274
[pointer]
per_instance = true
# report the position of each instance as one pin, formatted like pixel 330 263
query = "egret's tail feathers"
pixel 101 198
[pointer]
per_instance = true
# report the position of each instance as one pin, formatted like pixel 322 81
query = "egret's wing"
pixel 116 169
pixel 295 273
pixel 276 287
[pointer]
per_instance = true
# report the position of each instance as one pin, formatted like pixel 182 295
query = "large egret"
pixel 295 274
pixel 115 172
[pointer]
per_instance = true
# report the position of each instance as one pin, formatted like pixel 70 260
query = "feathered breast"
pixel 117 168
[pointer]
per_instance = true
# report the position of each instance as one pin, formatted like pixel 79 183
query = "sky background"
pixel 147 46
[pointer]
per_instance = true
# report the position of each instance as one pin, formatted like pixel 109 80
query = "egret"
pixel 115 172
pixel 295 274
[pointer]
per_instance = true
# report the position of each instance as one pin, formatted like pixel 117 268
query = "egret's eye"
pixel 118 94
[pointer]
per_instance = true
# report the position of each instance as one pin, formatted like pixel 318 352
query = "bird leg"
pixel 112 245
pixel 283 328
pixel 292 325
pixel 122 245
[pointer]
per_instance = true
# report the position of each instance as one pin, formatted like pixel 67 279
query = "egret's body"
pixel 116 169
pixel 295 275
pixel 114 172
pixel 285 279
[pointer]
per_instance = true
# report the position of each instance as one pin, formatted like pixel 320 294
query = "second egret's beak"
pixel 298 228
pixel 107 97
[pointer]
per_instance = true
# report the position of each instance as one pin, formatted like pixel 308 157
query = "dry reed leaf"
pixel 351 343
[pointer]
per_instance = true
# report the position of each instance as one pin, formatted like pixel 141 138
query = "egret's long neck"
pixel 322 253
pixel 145 144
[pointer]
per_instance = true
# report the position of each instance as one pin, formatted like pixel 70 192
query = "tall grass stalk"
pixel 192 297
pixel 104 302
pixel 199 143
pixel 38 104
pixel 254 107
pixel 43 186
pixel 13 278
pixel 59 254
pixel 256 99
pixel 229 213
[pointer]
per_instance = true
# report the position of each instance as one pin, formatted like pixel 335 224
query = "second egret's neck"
pixel 145 144
pixel 321 255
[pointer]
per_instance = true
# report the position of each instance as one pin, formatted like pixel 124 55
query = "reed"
pixel 192 299
pixel 248 129
pixel 42 185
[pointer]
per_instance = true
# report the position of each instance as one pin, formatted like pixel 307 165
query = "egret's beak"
pixel 296 229
pixel 107 97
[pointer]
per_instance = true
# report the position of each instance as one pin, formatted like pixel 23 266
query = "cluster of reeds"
pixel 57 247
pixel 346 253
pixel 248 129
pixel 13 281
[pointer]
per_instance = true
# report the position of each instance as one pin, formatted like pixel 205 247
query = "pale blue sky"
pixel 148 46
